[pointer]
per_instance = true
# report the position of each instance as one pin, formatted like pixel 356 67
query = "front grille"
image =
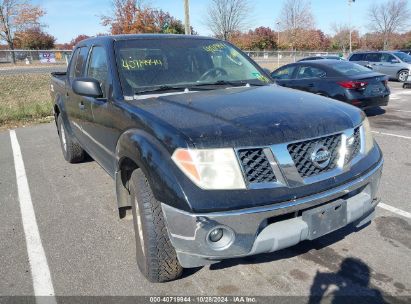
pixel 301 154
pixel 356 146
pixel 256 166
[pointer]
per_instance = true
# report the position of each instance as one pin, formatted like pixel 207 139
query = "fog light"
pixel 220 237
pixel 216 235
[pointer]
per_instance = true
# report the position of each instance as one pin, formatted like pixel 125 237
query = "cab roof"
pixel 111 38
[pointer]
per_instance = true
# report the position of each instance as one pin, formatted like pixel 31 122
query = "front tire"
pixel 156 256
pixel 72 152
pixel 402 76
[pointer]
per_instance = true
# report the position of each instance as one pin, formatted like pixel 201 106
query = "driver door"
pixel 389 65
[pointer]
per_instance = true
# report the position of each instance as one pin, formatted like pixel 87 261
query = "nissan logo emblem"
pixel 320 156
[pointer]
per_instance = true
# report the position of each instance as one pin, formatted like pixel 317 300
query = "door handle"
pixel 310 85
pixel 81 106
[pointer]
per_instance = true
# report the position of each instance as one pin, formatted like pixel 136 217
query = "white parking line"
pixel 390 134
pixel 40 272
pixel 395 210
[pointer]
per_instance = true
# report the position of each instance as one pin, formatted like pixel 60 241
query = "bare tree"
pixel 17 16
pixel 388 18
pixel 226 17
pixel 296 17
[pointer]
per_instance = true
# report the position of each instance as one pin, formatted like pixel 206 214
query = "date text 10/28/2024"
pixel 203 299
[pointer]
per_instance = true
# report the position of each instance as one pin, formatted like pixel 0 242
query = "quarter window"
pixel 357 57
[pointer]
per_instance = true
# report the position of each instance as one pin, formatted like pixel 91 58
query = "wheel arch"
pixel 137 149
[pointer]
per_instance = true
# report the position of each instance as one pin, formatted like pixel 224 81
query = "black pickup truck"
pixel 211 157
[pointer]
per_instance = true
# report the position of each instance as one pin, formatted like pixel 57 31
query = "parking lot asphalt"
pixel 90 251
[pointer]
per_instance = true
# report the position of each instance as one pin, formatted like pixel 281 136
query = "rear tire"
pixel 402 76
pixel 72 151
pixel 156 256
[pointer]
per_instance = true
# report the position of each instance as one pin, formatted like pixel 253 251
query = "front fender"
pixel 154 159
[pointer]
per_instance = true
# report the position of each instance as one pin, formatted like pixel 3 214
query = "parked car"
pixel 322 57
pixel 212 158
pixel 394 64
pixel 408 51
pixel 341 80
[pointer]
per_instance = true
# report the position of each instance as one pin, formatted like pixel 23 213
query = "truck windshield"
pixel 145 65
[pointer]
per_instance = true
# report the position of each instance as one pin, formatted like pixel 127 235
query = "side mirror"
pixel 88 87
pixel 395 61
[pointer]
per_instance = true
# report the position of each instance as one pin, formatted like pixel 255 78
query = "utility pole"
pixel 278 44
pixel 349 12
pixel 187 17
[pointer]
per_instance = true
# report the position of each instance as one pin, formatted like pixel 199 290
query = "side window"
pixel 357 57
pixel 73 64
pixel 284 73
pixel 387 57
pixel 373 57
pixel 80 62
pixel 310 72
pixel 98 67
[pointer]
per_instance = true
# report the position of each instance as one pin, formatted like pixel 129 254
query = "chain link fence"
pixel 34 57
pixel 267 59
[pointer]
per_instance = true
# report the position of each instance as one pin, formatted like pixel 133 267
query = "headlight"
pixel 210 168
pixel 367 140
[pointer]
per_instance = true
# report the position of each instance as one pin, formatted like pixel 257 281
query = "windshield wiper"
pixel 229 83
pixel 165 88
pixel 197 86
pixel 162 88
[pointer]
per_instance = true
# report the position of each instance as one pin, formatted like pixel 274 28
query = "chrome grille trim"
pixel 301 152
pixel 286 172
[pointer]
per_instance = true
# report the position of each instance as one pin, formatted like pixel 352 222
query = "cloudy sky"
pixel 69 18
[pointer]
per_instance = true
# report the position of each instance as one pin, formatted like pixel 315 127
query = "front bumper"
pixel 267 228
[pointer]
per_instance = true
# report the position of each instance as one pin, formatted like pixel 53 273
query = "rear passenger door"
pixel 310 79
pixel 73 107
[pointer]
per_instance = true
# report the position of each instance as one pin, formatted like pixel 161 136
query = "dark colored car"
pixel 213 160
pixel 322 57
pixel 341 80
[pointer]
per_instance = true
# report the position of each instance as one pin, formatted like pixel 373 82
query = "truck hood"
pixel 250 116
